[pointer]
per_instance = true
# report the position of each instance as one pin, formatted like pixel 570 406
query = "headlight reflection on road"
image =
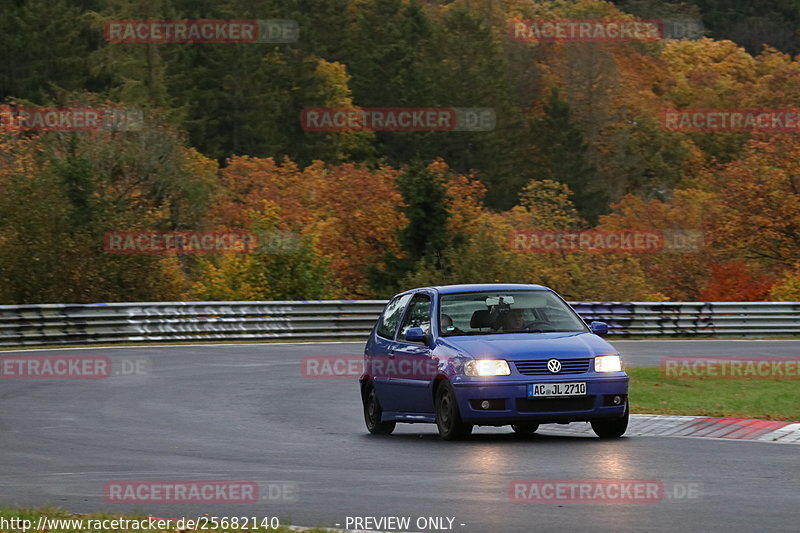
pixel 611 463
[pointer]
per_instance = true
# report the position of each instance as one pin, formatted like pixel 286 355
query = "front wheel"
pixel 614 428
pixel 448 417
pixel 373 412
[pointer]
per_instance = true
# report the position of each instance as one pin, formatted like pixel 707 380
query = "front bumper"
pixel 509 402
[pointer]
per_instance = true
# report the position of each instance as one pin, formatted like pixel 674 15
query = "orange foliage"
pixel 349 210
pixel 677 275
pixel 759 198
pixel 731 282
pixel 465 198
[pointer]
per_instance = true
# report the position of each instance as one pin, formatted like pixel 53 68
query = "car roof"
pixel 475 287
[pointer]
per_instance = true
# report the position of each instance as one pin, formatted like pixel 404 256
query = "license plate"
pixel 556 389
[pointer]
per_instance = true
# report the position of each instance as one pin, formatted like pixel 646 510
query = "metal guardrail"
pixel 53 324
pixel 695 319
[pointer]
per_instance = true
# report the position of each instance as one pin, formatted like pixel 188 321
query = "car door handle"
pixel 391 352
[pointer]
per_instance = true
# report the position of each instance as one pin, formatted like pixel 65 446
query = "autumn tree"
pixel 426 233
pixel 487 256
pixel 759 219
pixel 562 155
pixel 63 190
pixel 44 44
pixel 292 270
pixel 787 288
pixel 681 269
pixel 349 211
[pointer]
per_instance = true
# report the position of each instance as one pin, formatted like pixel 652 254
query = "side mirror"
pixel 416 335
pixel 599 328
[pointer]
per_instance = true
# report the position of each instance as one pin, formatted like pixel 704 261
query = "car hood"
pixel 526 346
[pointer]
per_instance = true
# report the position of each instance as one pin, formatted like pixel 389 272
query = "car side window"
pixel 387 323
pixel 418 315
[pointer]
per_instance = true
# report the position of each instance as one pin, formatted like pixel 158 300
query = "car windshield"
pixel 492 312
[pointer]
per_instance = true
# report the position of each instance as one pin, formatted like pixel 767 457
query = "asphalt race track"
pixel 245 412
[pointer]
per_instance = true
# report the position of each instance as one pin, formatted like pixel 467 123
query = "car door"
pixel 382 346
pixel 414 368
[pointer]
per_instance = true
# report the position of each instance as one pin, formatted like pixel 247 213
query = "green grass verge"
pixel 53 513
pixel 651 392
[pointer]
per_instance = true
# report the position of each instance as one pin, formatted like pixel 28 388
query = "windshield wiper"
pixel 468 333
pixel 472 333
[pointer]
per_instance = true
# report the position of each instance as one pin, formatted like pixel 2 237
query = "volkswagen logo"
pixel 554 366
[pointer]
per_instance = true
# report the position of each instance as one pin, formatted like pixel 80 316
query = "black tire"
pixel 373 412
pixel 448 417
pixel 613 428
pixel 524 429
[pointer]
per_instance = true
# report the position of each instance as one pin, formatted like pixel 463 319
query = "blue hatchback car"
pixel 490 355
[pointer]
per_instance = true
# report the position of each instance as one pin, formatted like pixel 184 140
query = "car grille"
pixel 539 367
pixel 554 405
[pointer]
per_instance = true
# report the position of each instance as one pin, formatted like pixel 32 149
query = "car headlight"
pixel 608 363
pixel 486 367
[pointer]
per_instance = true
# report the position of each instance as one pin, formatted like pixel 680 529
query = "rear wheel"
pixel 448 417
pixel 525 429
pixel 611 429
pixel 373 412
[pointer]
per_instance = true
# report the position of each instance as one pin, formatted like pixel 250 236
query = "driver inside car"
pixel 446 324
pixel 513 320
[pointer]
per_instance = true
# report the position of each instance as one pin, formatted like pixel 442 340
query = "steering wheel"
pixel 537 322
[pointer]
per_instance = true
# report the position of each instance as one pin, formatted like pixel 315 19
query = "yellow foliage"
pixel 788 288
